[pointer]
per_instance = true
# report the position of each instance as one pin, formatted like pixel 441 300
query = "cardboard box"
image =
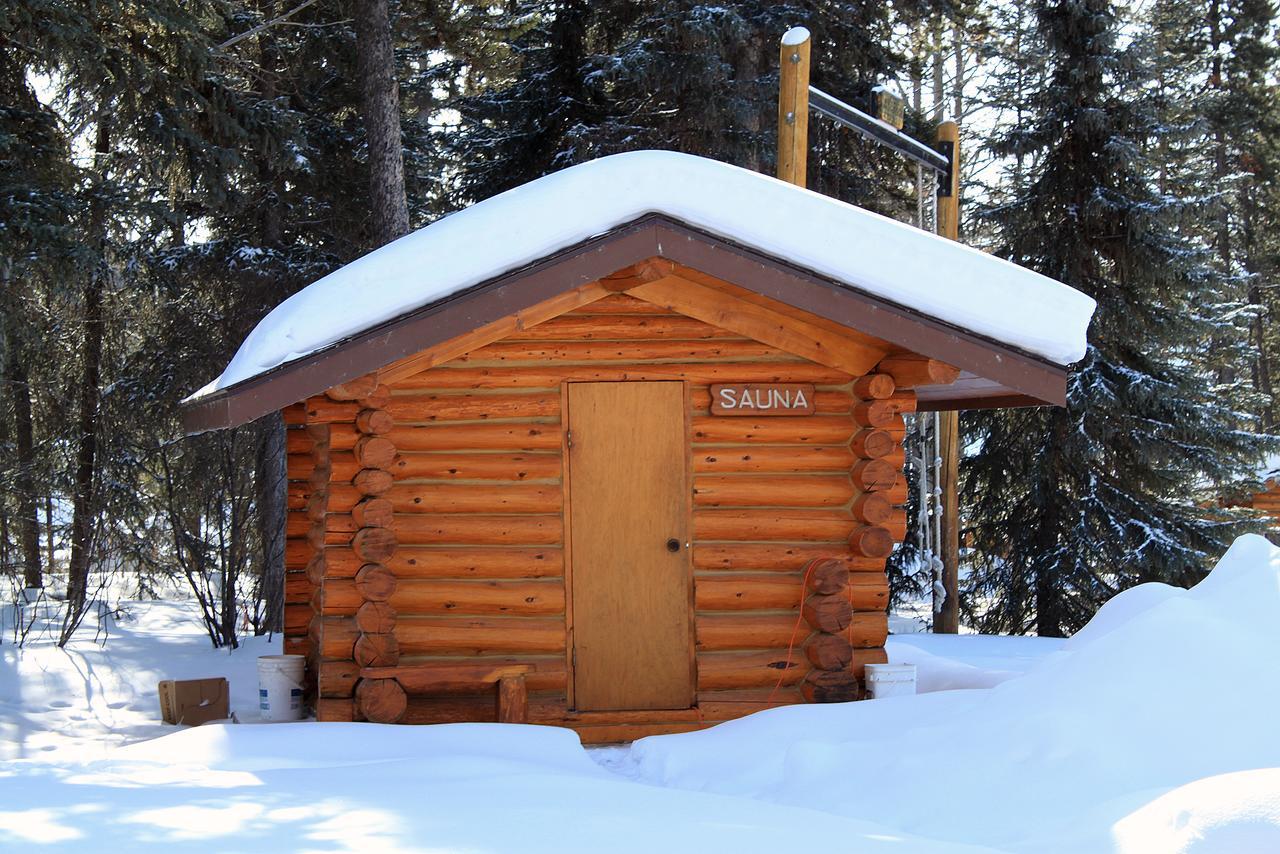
pixel 194 701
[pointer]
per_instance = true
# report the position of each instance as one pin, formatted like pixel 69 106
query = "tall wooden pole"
pixel 947 620
pixel 793 106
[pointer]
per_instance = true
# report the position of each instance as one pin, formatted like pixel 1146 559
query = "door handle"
pixel 673 545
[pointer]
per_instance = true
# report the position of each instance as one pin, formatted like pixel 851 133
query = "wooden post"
pixel 793 106
pixel 947 621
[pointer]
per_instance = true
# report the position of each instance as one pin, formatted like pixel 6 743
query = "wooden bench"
pixel 509 679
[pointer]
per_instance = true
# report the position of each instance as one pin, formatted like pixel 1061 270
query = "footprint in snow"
pixel 116 705
pixel 59 704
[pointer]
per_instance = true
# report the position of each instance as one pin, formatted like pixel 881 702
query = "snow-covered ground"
pixel 1153 730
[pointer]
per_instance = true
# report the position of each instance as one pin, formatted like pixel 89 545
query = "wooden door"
pixel 629 532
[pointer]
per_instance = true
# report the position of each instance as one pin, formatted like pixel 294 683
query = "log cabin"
pixel 621 449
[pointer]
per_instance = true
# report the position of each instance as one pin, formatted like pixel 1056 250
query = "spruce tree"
pixel 1066 506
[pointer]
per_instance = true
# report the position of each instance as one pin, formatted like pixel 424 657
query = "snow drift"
pixel 1087 752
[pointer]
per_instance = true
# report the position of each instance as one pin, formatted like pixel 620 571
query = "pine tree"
pixel 1066 506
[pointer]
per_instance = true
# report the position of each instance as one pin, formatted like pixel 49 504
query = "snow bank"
pixel 1088 751
pixel 983 294
pixel 366 787
pixel 948 662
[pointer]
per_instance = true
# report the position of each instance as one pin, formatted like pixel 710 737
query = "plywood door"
pixel 629 529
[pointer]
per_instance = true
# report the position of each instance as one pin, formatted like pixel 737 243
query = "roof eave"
pixel 1026 378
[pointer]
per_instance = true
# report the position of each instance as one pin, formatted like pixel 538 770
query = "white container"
pixel 280 686
pixel 890 680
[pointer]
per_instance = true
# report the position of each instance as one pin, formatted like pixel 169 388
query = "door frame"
pixel 686 397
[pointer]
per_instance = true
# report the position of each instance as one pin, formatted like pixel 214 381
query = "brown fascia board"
pixel 1026 377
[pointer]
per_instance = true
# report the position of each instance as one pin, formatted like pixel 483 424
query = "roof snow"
pixel 938 277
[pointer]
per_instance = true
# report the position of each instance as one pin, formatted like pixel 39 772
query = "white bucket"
pixel 890 680
pixel 280 687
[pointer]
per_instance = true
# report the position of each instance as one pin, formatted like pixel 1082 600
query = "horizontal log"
pixel 375 452
pixel 298 441
pixel 620 327
pixel 831 686
pixel 379 399
pixel 478 437
pixel 725 670
pixel 354 389
pixel 903 402
pixel 867 630
pixel 748 592
pixel 426 596
pixel 322 410
pixel 724 632
pixel 863 657
pixel 829 613
pixel 427 407
pixel 336 677
pixel 374 545
pixel 827 576
pixel 874 387
pixel 479 635
pixel 777 557
pixel 416 562
pixel 828 652
pixel 373 481
pixel 620 304
pixel 335 710
pixel 374 422
pixel 300 466
pixel 867 591
pixel 376 618
pixel 873 413
pixel 871 541
pixel 772 491
pixel 343 467
pixel 909 371
pixel 752 459
pixel 296 645
pixel 873 508
pixel 381 701
pixel 429 529
pixel 297 588
pixel 872 444
pixel 297 618
pixel 800 430
pixel 620 351
pixel 545 673
pixel 342 437
pixel 497 497
pixel 549 376
pixel 873 475
pixel 373 512
pixel 294 415
pixel 337 597
pixel 341 562
pixel 297 553
pixel 812 526
pixel 448 677
pixel 334 637
pixel 492 466
pixel 375 583
pixel 376 650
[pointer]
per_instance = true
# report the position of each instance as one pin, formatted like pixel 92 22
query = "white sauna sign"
pixel 762 399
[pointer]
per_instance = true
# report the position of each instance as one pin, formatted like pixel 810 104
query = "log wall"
pixel 465 538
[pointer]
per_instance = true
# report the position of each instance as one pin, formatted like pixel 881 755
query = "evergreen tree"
pixel 1066 506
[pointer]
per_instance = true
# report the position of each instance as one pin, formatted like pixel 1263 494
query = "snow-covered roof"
pixel 880 256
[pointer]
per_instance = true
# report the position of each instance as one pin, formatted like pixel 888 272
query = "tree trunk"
pixel 272 489
pixel 28 522
pixel 83 511
pixel 380 103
